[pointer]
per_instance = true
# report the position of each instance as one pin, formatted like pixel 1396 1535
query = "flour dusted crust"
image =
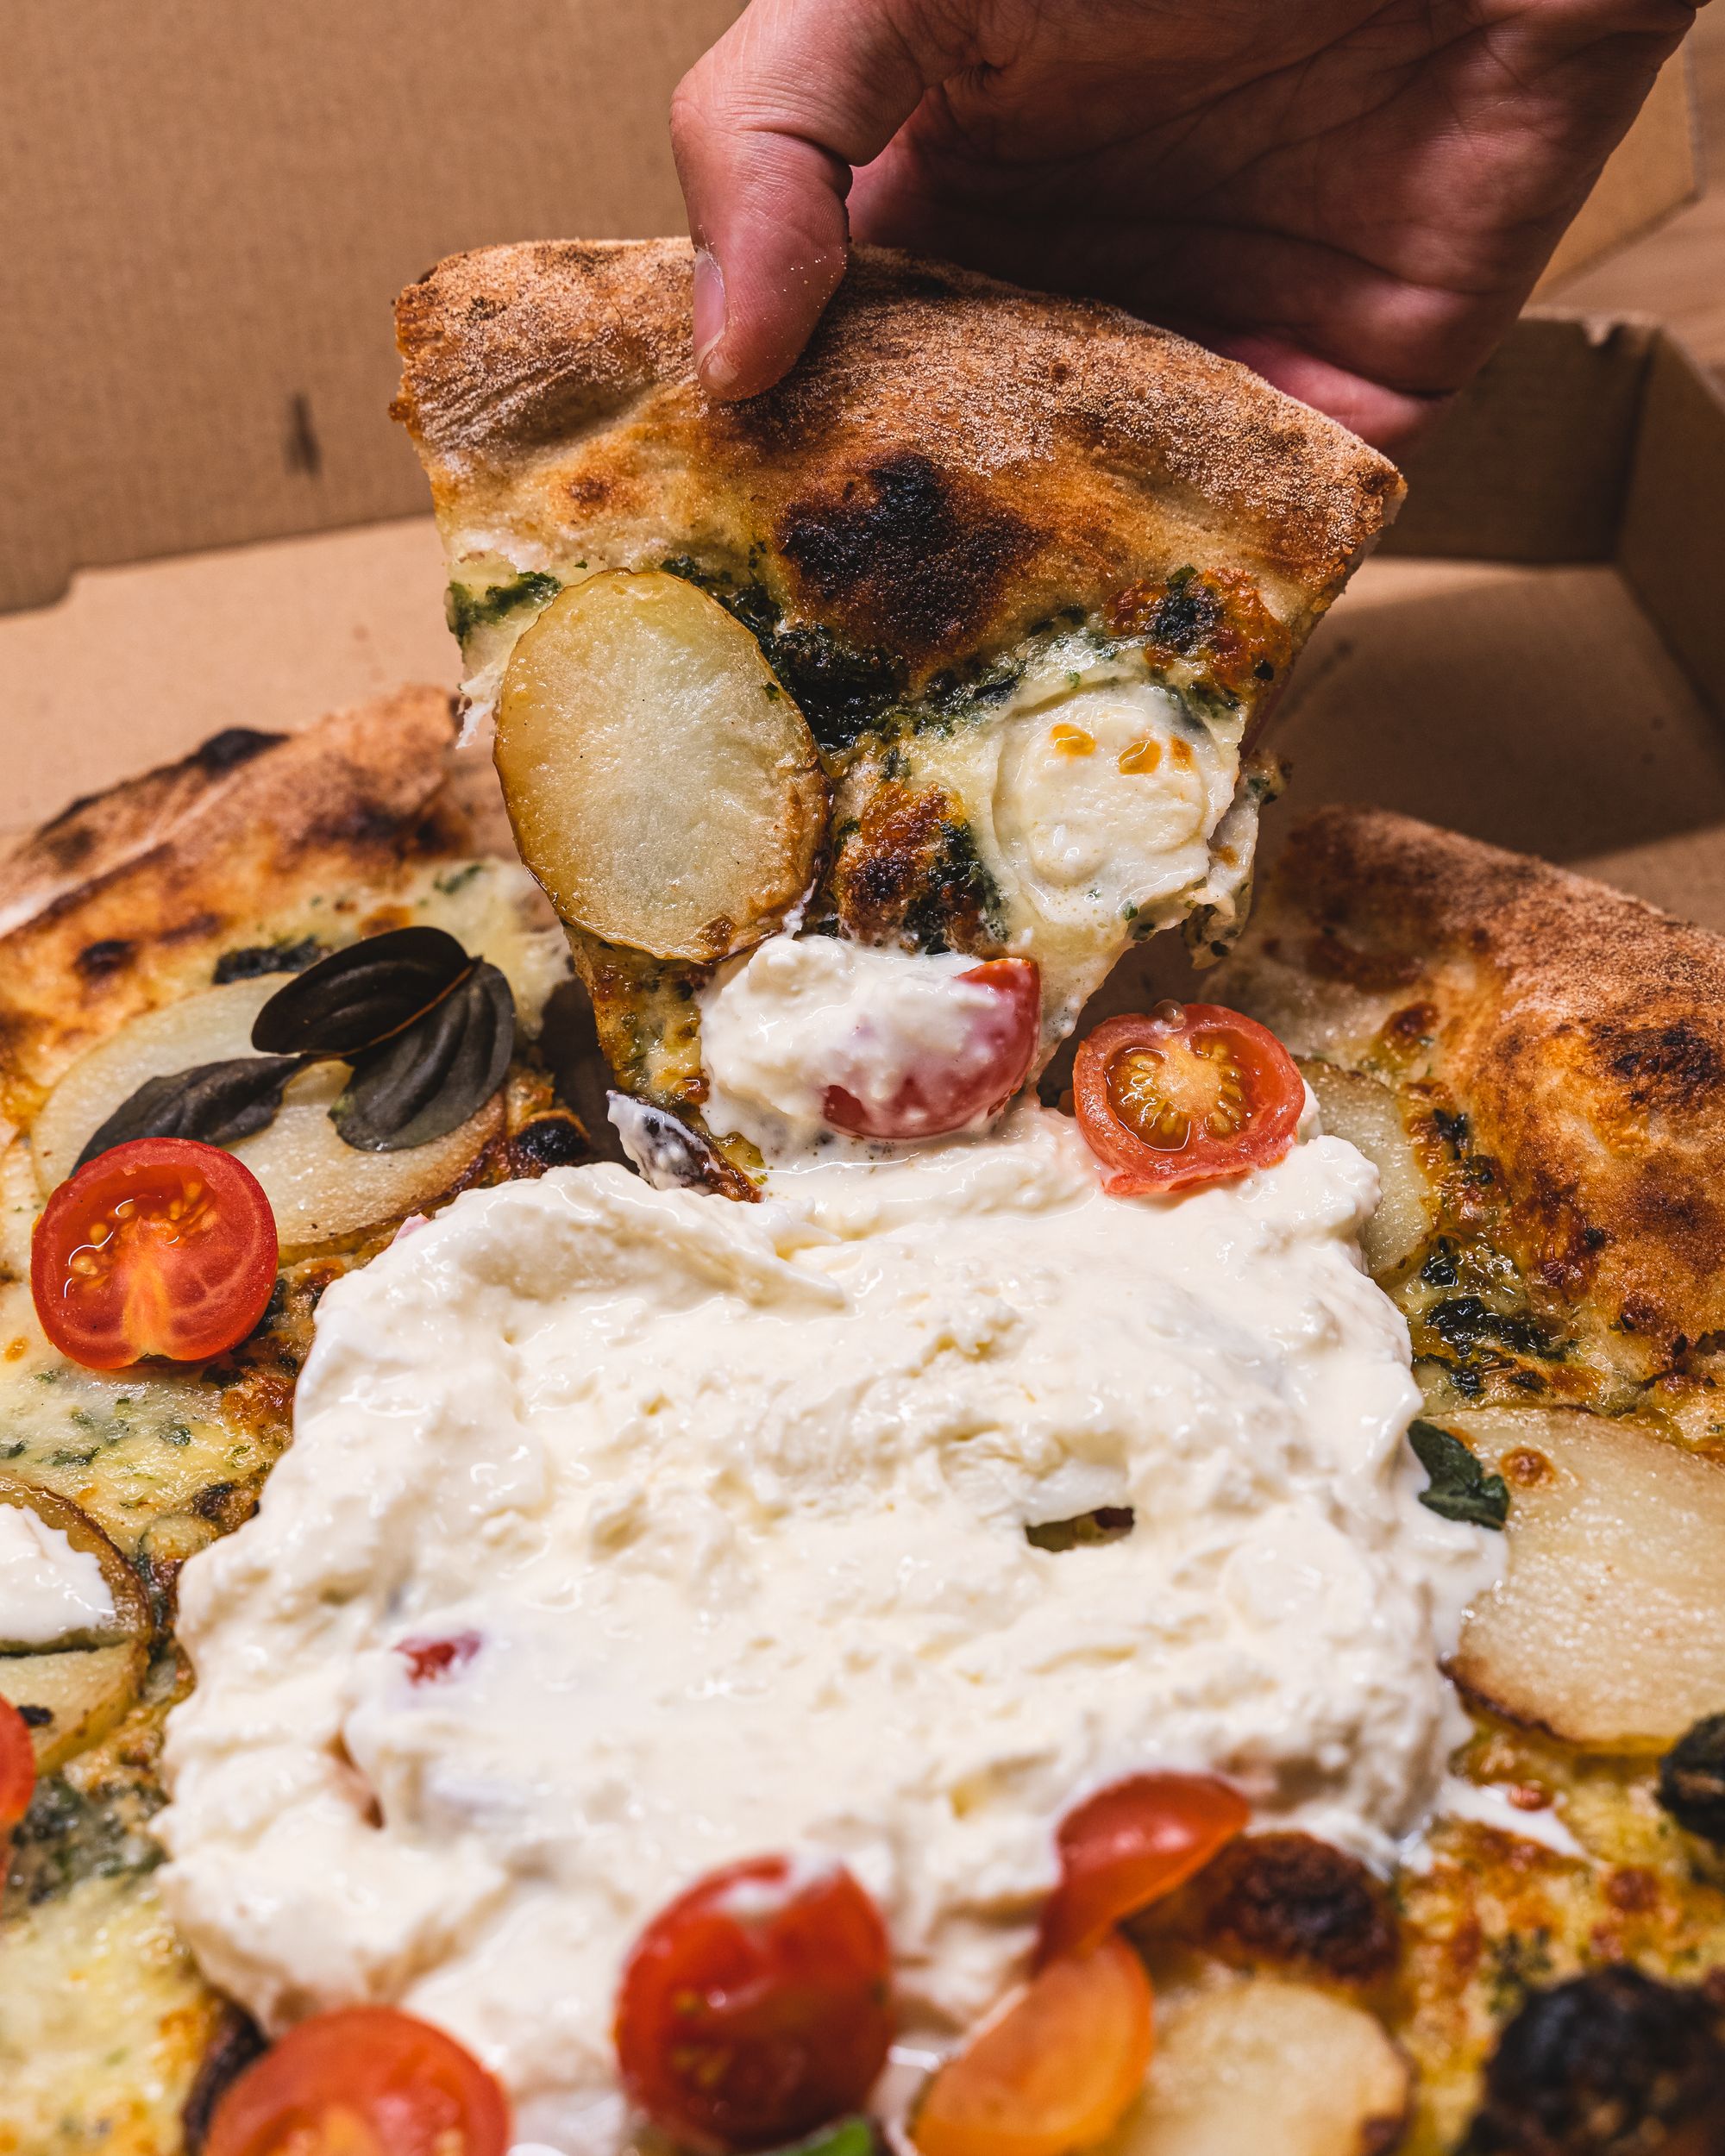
pixel 952 460
pixel 1581 1031
pixel 119 902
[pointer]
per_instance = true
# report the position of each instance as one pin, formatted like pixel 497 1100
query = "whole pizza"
pixel 625 1528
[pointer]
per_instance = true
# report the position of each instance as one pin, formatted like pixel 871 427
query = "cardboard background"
pixel 211 206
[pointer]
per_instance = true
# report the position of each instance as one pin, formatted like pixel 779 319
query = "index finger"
pixel 766 127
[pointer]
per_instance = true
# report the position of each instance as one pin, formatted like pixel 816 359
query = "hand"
pixel 1354 197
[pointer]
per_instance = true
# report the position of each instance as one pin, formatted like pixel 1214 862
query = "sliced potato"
pixel 81 1685
pixel 1608 1627
pixel 1251 2065
pixel 320 1190
pixel 662 785
pixel 82 1691
pixel 1365 1113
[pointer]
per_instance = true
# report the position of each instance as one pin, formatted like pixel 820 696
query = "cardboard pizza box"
pixel 212 209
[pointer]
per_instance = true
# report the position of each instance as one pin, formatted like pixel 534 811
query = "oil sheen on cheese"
pixel 713 1519
pixel 48 1591
pixel 1101 804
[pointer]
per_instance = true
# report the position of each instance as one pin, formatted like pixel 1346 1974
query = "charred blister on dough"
pixel 1292 1903
pixel 905 553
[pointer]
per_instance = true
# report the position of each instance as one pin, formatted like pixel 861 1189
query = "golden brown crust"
pixel 952 460
pixel 173 863
pixel 1582 1032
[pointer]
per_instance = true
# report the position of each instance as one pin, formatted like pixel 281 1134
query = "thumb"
pixel 766 127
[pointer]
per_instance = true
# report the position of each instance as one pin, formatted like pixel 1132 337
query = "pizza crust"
pixel 952 460
pixel 1581 1031
pixel 120 902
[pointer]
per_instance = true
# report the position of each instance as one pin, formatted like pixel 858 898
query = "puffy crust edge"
pixel 511 351
pixel 115 903
pixel 1582 1031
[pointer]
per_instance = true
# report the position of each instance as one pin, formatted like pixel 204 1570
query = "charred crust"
pixel 1610 2064
pixel 1674 1065
pixel 1583 1030
pixel 236 2043
pixel 556 1140
pixel 1119 432
pixel 1216 618
pixel 107 954
pixel 232 746
pixel 1292 1901
pixel 226 1505
pixel 909 873
pixel 914 556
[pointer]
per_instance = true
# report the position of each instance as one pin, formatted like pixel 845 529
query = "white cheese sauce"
pixel 719 1514
pixel 1100 805
pixel 49 1591
pixel 800 1014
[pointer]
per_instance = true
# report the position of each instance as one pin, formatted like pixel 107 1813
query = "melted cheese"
pixel 800 1014
pixel 1100 807
pixel 723 1512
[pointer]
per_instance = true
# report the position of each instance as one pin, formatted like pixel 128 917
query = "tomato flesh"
pixel 1128 1846
pixel 933 1097
pixel 1185 1093
pixel 756 2008
pixel 1054 2070
pixel 162 1246
pixel 363 2081
pixel 17 1769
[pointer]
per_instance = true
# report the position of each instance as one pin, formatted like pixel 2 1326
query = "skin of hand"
pixel 1354 199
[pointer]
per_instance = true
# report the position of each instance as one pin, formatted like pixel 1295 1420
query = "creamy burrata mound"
pixel 629 1532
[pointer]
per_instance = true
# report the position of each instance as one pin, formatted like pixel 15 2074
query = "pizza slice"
pixel 147 928
pixel 951 651
pixel 1536 1064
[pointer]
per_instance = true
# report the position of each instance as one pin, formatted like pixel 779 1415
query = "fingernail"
pixel 709 313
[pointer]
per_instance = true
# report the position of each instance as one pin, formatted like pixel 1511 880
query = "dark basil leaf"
pixel 430 1077
pixel 1460 1488
pixel 220 1103
pixel 1109 1523
pixel 1691 1784
pixel 359 995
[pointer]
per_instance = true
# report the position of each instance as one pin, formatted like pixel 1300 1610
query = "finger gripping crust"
pixel 951 458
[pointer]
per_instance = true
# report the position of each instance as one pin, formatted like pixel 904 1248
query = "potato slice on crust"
pixel 1365 1113
pixel 663 787
pixel 321 1190
pixel 78 1686
pixel 1608 1627
pixel 1253 2064
pixel 72 1699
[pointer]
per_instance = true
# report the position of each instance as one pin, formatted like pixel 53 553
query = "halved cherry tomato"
pixel 1129 1845
pixel 1185 1093
pixel 937 1098
pixel 162 1246
pixel 1054 2069
pixel 17 1771
pixel 757 2006
pixel 363 2081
